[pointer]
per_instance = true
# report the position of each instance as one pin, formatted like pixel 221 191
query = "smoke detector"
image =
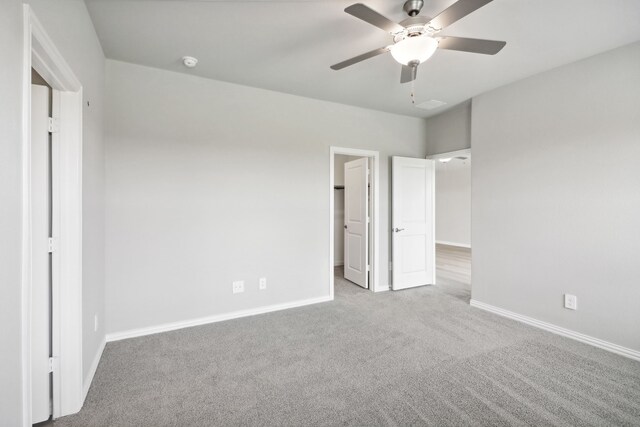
pixel 189 61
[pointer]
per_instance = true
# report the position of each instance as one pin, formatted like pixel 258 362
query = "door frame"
pixel 374 277
pixel 41 54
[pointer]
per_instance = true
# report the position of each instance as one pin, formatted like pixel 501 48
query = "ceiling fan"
pixel 416 38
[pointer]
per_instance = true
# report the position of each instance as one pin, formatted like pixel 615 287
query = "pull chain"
pixel 413 89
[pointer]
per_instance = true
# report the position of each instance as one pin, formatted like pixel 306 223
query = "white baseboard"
pixel 460 245
pixel 596 342
pixel 132 333
pixel 92 371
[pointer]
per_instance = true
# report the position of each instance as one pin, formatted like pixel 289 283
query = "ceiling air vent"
pixel 430 105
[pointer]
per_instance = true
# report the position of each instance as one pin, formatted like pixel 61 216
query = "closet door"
pixel 356 215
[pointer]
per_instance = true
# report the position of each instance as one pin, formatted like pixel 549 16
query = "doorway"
pixel 354 213
pixel 453 221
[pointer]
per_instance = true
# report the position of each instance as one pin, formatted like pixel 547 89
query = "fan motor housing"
pixel 413 7
pixel 414 26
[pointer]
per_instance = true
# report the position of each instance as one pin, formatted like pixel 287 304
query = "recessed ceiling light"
pixel 448 159
pixel 189 61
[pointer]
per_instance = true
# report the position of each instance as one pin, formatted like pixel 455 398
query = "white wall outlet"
pixel 262 283
pixel 95 323
pixel 238 286
pixel 570 302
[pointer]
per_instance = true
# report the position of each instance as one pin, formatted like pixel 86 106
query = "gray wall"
pixel 210 182
pixel 556 196
pixel 10 211
pixel 450 131
pixel 453 202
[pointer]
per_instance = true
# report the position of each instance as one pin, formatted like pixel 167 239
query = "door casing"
pixel 41 54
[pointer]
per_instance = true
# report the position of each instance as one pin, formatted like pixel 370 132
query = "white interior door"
pixel 356 214
pixel 413 221
pixel 41 264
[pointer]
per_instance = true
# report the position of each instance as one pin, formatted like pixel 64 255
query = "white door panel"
pixel 41 273
pixel 356 213
pixel 413 236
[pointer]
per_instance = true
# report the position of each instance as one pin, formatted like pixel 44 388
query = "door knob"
pixel 345 226
pixel 397 230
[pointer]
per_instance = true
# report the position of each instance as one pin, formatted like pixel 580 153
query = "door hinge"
pixel 51 364
pixel 52 245
pixel 390 265
pixel 53 125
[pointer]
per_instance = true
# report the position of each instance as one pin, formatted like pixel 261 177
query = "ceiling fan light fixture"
pixel 410 49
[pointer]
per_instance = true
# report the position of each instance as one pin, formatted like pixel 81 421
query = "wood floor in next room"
pixel 453 263
pixel 453 270
pixel 420 356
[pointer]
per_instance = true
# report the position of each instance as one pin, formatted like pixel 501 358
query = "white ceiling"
pixel 289 45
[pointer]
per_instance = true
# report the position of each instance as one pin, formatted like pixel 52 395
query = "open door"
pixel 413 220
pixel 41 258
pixel 356 215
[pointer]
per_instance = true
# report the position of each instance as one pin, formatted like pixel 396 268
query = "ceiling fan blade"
pixel 408 74
pixel 374 18
pixel 356 59
pixel 486 47
pixel 456 11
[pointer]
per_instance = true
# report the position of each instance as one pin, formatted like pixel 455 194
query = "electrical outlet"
pixel 262 283
pixel 570 302
pixel 238 286
pixel 95 323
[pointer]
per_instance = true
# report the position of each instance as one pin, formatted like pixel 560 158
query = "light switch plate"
pixel 570 302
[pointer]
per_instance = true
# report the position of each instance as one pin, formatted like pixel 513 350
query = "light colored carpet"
pixel 416 357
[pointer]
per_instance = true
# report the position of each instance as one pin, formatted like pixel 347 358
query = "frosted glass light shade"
pixel 414 49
